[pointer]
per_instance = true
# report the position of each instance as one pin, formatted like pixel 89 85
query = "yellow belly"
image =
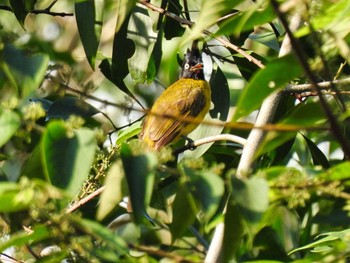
pixel 185 98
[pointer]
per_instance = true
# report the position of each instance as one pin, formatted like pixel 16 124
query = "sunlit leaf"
pixel 128 133
pixel 322 243
pixel 9 123
pixel 112 194
pixel 140 30
pixel 264 82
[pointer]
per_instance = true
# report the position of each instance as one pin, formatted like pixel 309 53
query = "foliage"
pixel 75 78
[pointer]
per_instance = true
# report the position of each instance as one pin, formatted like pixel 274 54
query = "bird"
pixel 188 97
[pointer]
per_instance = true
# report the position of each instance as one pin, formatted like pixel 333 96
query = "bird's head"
pixel 192 66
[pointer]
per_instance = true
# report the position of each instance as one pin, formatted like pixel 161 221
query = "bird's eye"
pixel 187 66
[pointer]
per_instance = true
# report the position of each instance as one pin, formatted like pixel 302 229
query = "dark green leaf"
pixel 89 31
pixel 24 71
pixel 172 28
pixel 233 232
pixel 139 172
pixel 45 104
pixel 63 108
pixel 33 167
pixel 265 82
pixel 318 156
pixel 183 213
pixel 21 8
pixel 220 95
pixel 67 159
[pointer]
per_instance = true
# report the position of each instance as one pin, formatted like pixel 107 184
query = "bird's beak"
pixel 197 67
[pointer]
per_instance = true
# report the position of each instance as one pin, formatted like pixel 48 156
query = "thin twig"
pixel 210 139
pixel 46 11
pixel 86 199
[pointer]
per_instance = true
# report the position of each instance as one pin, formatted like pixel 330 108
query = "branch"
pixel 222 40
pixel 46 11
pixel 321 85
pixel 86 199
pixel 210 139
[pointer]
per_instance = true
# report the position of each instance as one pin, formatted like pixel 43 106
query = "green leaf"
pixel 104 235
pixel 184 212
pixel 172 28
pixel 318 156
pixel 64 107
pixel 128 133
pixel 21 8
pixel 210 12
pixel 112 194
pixel 33 167
pixel 13 198
pixel 24 71
pixel 23 238
pixel 247 20
pixel 140 175
pixel 89 30
pixel 67 159
pixel 140 30
pixel 123 10
pixel 304 114
pixel 251 196
pixel 233 232
pixel 321 244
pixel 338 172
pixel 208 189
pixel 264 82
pixel 9 124
pixel 123 49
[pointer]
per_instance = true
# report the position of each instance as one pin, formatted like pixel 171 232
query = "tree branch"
pixel 46 11
pixel 254 140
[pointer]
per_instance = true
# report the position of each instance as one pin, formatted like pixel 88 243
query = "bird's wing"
pixel 163 130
